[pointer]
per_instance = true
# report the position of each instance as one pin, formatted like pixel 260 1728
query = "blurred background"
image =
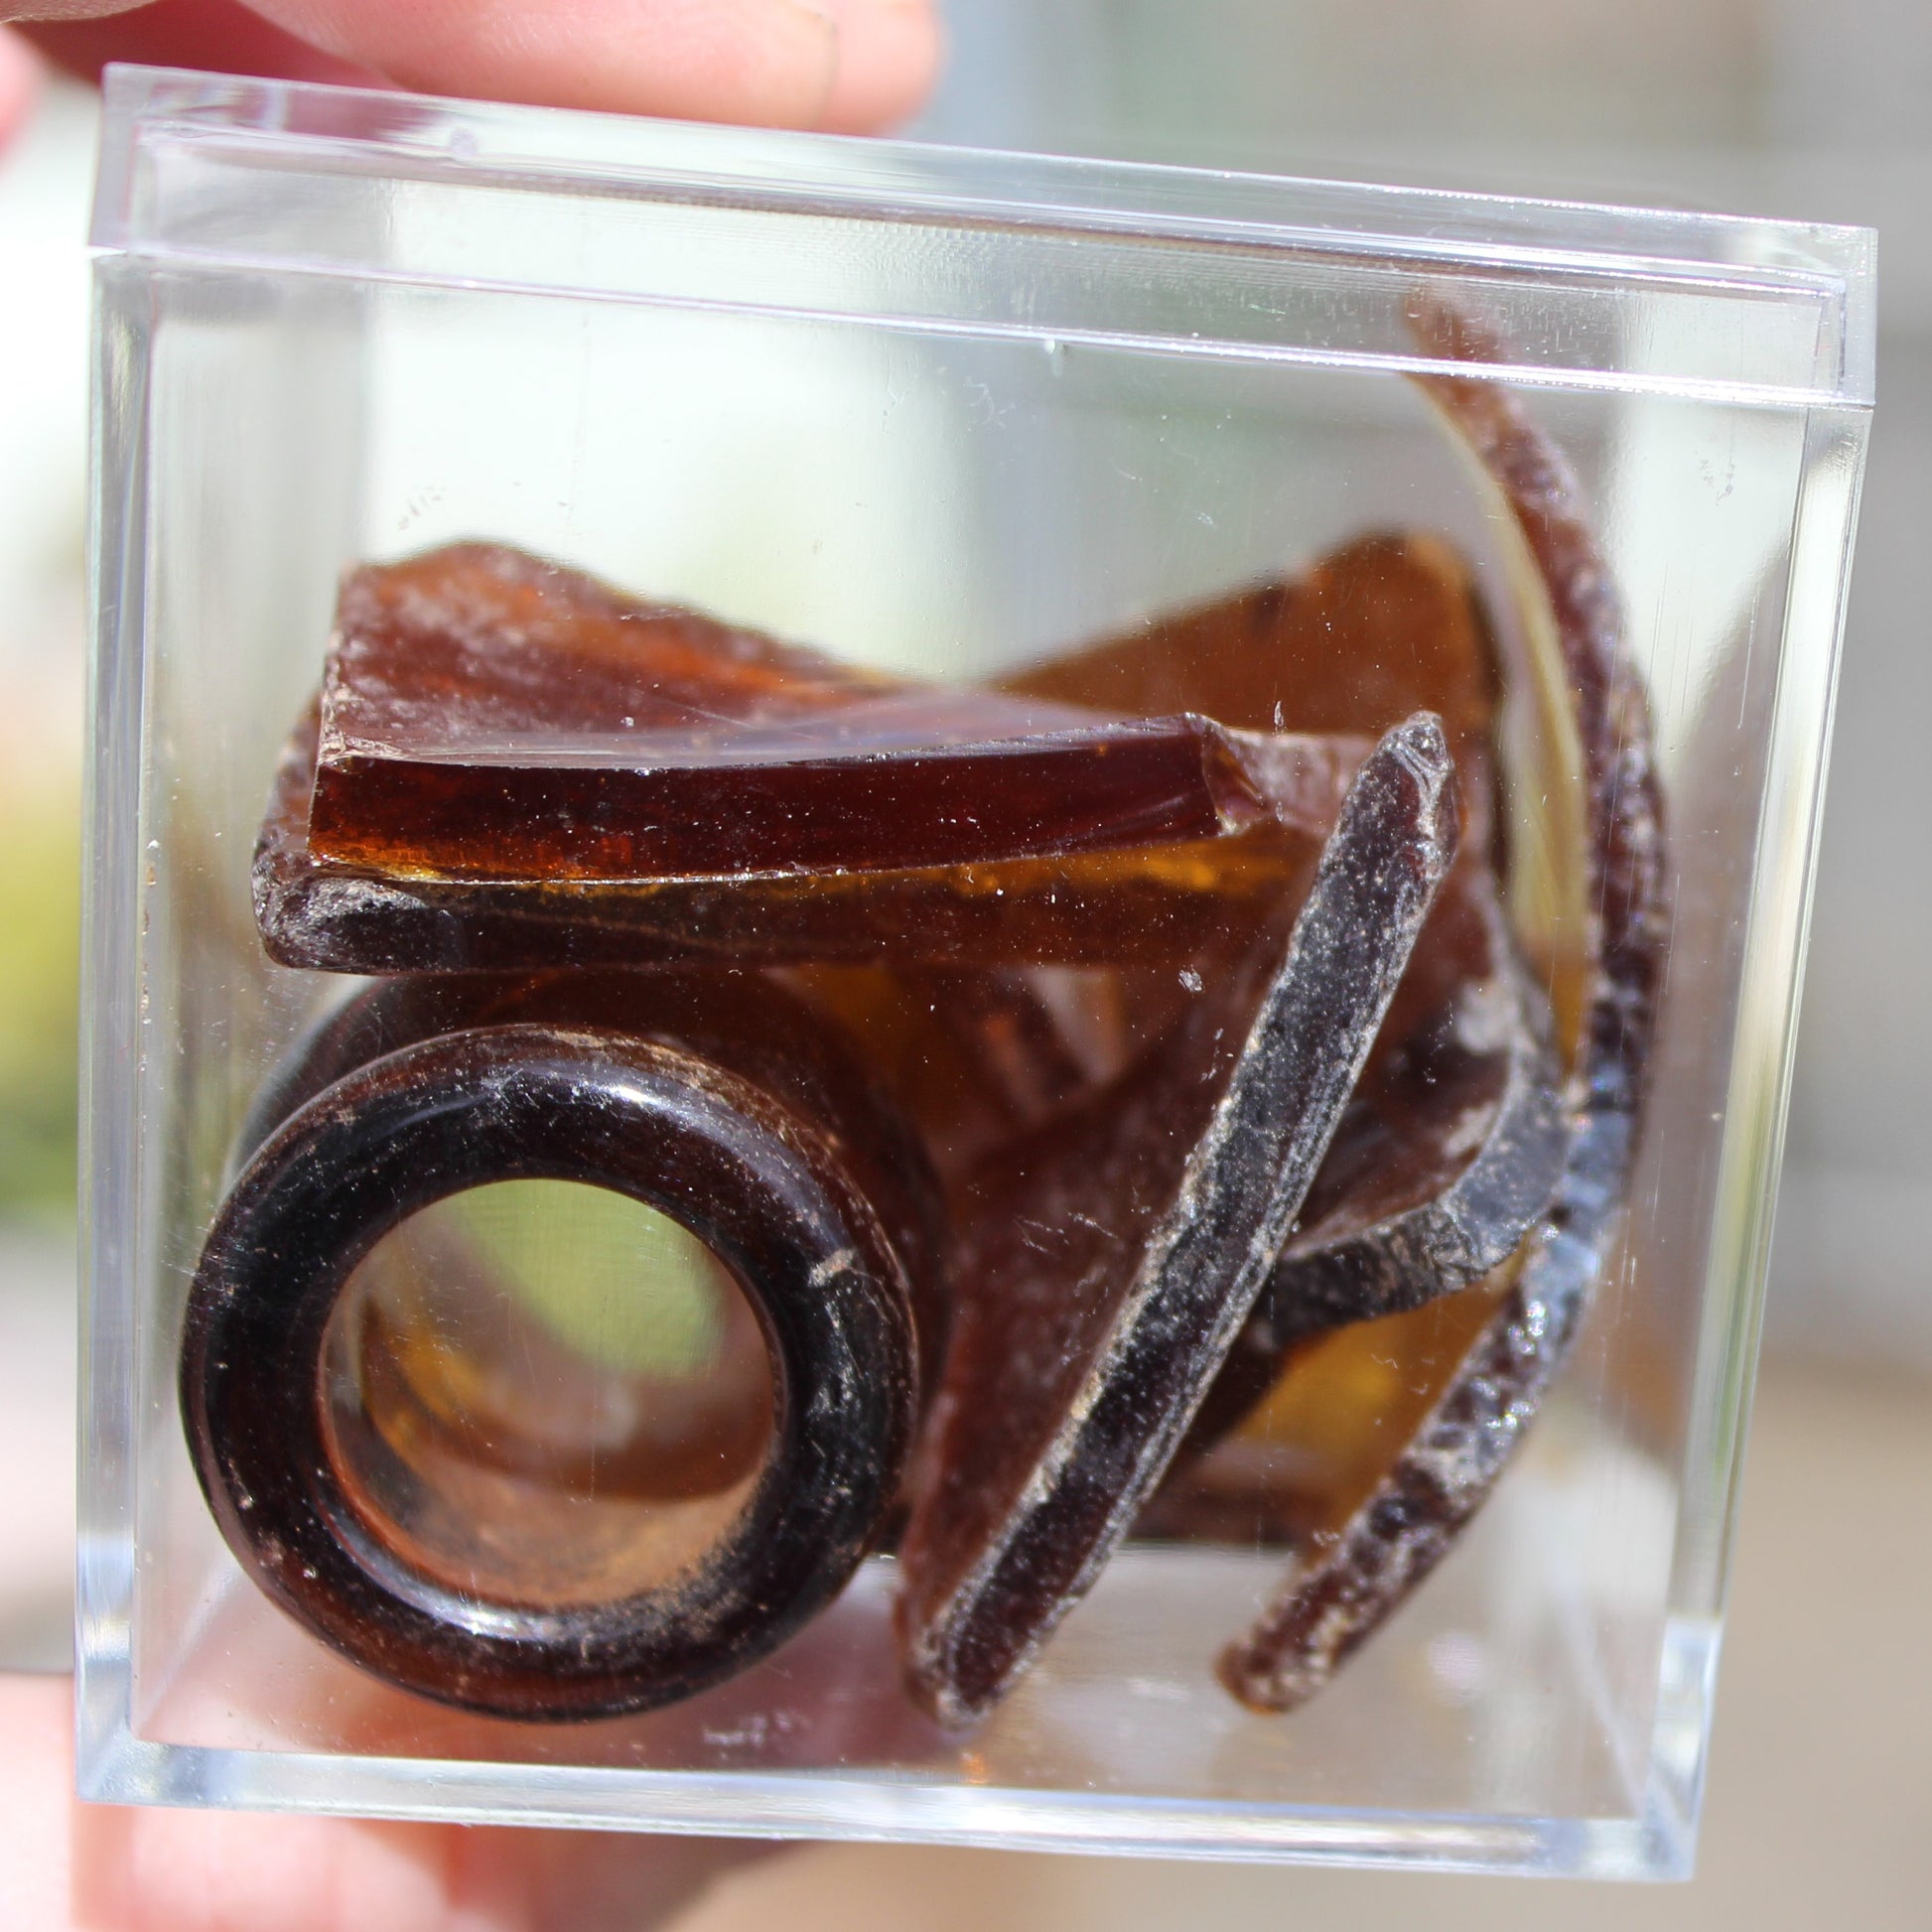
pixel 1821 1776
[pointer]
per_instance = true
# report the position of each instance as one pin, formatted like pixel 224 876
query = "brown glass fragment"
pixel 1341 1412
pixel 1113 1259
pixel 1446 1156
pixel 1138 903
pixel 1451 1463
pixel 325 1502
pixel 488 715
pixel 1375 631
pixel 1448 1151
pixel 978 1056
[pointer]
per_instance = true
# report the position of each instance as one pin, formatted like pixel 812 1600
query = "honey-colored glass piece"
pixel 1142 903
pixel 1450 1145
pixel 1379 628
pixel 1446 1155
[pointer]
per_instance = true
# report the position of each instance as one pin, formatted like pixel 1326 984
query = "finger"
pixel 63 9
pixel 890 52
pixel 19 81
pixel 852 66
pixel 772 61
pixel 74 1868
pixel 220 35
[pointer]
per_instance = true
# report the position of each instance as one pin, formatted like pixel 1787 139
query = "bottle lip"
pixel 473 1107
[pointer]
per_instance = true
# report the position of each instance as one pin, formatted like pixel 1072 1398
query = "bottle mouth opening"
pixel 546 1393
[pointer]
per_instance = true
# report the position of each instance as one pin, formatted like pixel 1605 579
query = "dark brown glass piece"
pixel 759 1187
pixel 1113 1259
pixel 488 715
pixel 1448 1152
pixel 791 1047
pixel 1138 902
pixel 1451 1460
pixel 1389 623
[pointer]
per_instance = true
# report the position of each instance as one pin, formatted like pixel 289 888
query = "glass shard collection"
pixel 639 889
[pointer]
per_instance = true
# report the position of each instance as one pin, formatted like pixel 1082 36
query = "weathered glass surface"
pixel 485 714
pixel 1458 1446
pixel 1110 1261
pixel 387 1457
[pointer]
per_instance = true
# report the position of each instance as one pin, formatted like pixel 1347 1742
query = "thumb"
pixel 18 83
pixel 850 65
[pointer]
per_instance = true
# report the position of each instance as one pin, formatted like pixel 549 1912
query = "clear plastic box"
pixel 947 418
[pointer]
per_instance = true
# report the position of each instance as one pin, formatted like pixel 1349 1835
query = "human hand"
pixel 849 66
pixel 842 65
pixel 68 1866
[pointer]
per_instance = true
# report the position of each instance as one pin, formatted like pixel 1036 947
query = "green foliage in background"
pixel 622 1286
pixel 40 959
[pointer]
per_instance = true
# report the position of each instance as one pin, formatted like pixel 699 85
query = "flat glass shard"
pixel 1450 1149
pixel 1113 1261
pixel 1450 1460
pixel 1343 1407
pixel 1448 1152
pixel 1367 635
pixel 1382 627
pixel 488 714
pixel 979 1058
pixel 1145 904
pixel 1453 1149
pixel 1379 627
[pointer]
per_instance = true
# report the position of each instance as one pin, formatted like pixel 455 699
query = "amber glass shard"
pixel 977 1058
pixel 1342 1410
pixel 1375 631
pixel 487 715
pixel 1142 903
pixel 1446 1154
pixel 1432 1485
pixel 1451 1151
pixel 1380 629
pixel 1110 1267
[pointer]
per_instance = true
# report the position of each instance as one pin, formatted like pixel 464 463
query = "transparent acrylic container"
pixel 947 418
